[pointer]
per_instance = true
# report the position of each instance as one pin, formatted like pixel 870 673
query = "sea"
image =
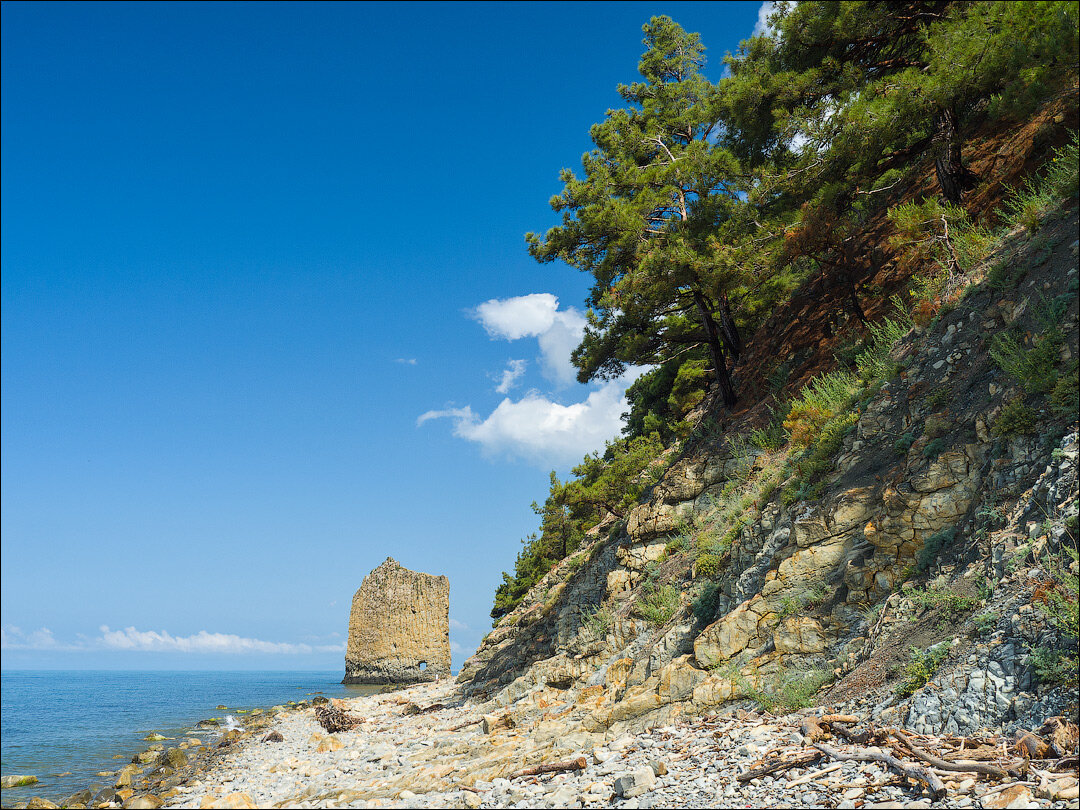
pixel 64 727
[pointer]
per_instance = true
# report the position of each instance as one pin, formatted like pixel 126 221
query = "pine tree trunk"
pixel 953 177
pixel 727 391
pixel 731 331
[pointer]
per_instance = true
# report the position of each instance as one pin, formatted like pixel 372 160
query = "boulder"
pixel 635 783
pixel 16 780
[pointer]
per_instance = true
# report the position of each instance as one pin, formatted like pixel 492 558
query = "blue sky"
pixel 268 316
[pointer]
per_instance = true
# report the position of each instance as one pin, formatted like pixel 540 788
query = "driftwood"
pixel 774 765
pixel 334 719
pixel 913 772
pixel 412 708
pixel 946 765
pixel 810 777
pixel 578 764
pixel 466 724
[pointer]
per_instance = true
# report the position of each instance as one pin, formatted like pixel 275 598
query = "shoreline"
pixel 428 746
pixel 431 746
pixel 101 756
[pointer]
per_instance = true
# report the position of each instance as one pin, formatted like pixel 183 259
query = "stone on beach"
pixel 16 780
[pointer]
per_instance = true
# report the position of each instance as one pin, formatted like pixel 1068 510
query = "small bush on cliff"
pixel 705 599
pixel 658 605
pixel 790 691
pixel 932 547
pixel 1065 396
pixel 597 621
pixel 1015 419
pixel 921 668
pixel 707 565
pixel 1061 606
pixel 1033 367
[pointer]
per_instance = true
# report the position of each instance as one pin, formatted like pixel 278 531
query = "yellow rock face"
pixel 399 628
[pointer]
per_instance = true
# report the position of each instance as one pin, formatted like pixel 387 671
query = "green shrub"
pixel 597 621
pixel 708 564
pixel 658 605
pixel 902 445
pixel 1065 396
pixel 772 436
pixel 935 448
pixel 932 546
pixel 875 362
pixel 1035 367
pixel 705 602
pixel 921 668
pixel 986 622
pixel 1015 419
pixel 1006 274
pixel 939 398
pixel 950 602
pixel 790 691
pixel 1062 610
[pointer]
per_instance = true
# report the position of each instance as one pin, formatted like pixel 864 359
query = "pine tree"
pixel 640 220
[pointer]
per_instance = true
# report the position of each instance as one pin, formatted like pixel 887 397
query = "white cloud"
pixel 203 642
pixel 762 27
pixel 510 375
pixel 130 639
pixel 456 625
pixel 518 317
pixel 457 649
pixel 537 315
pixel 447 413
pixel 13 638
pixel 541 430
pixel 407 361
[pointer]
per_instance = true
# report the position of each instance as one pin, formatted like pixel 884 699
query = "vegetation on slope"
pixel 705 205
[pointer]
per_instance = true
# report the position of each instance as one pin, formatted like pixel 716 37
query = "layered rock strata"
pixel 399 627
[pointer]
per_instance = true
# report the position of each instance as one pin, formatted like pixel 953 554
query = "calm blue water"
pixel 55 722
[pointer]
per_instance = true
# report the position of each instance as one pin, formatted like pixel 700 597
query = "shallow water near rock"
pixel 75 722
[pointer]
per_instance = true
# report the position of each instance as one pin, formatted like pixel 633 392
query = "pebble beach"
pixel 452 757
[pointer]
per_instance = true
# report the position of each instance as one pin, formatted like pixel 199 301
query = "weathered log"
pixel 810 777
pixel 857 736
pixel 334 719
pixel 774 765
pixel 466 724
pixel 578 764
pixel 944 764
pixel 913 772
pixel 413 708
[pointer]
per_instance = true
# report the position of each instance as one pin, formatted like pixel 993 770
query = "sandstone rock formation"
pixel 399 627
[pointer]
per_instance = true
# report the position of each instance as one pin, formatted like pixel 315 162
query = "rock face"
pixel 399 627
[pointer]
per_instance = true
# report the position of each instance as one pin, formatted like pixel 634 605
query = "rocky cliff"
pixel 399 627
pixel 911 582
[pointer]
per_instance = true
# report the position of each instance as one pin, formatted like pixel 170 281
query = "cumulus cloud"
pixel 540 430
pixel 558 331
pixel 510 375
pixel 762 27
pixel 518 317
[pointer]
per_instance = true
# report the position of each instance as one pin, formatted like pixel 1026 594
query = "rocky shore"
pixel 429 746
